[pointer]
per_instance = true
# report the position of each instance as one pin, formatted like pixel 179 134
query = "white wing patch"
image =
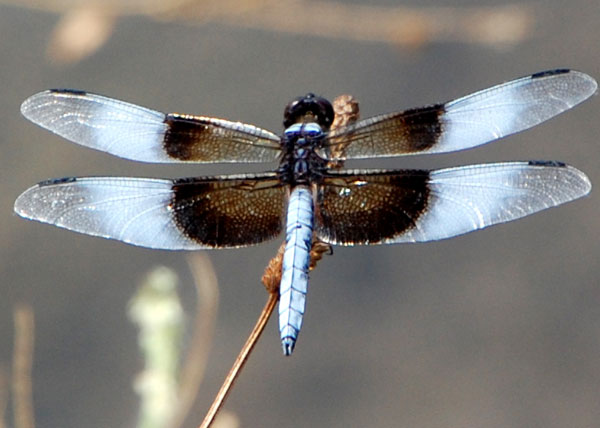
pixel 509 108
pixel 101 123
pixel 469 198
pixel 132 210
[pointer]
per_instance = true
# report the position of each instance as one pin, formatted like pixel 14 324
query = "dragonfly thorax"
pixel 300 162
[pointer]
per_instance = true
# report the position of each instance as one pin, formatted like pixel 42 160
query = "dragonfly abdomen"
pixel 296 259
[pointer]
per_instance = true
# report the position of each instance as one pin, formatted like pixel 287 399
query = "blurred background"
pixel 499 328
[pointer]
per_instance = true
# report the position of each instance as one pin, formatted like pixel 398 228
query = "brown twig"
pixel 240 360
pixel 346 112
pixel 22 363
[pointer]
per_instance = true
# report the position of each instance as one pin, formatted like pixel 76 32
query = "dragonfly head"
pixel 309 108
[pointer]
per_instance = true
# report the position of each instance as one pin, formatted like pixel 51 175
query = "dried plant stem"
pixel 240 360
pixel 22 363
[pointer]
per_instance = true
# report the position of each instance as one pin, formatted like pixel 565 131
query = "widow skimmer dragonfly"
pixel 304 195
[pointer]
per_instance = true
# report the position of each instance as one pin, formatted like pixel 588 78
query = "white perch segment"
pixel 296 260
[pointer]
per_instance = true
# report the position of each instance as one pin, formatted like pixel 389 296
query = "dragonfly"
pixel 304 196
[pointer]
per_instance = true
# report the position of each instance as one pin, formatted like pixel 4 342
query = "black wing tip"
pixel 57 91
pixel 549 73
pixel 66 91
pixel 55 181
pixel 556 164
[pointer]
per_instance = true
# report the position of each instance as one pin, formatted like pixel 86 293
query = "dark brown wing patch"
pixel 369 207
pixel 206 139
pixel 395 134
pixel 229 212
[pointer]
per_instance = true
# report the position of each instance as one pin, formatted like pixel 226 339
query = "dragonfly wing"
pixel 137 133
pixel 184 214
pixel 383 207
pixel 467 122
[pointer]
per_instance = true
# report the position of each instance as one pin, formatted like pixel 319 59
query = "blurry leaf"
pixel 80 33
pixel 157 311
